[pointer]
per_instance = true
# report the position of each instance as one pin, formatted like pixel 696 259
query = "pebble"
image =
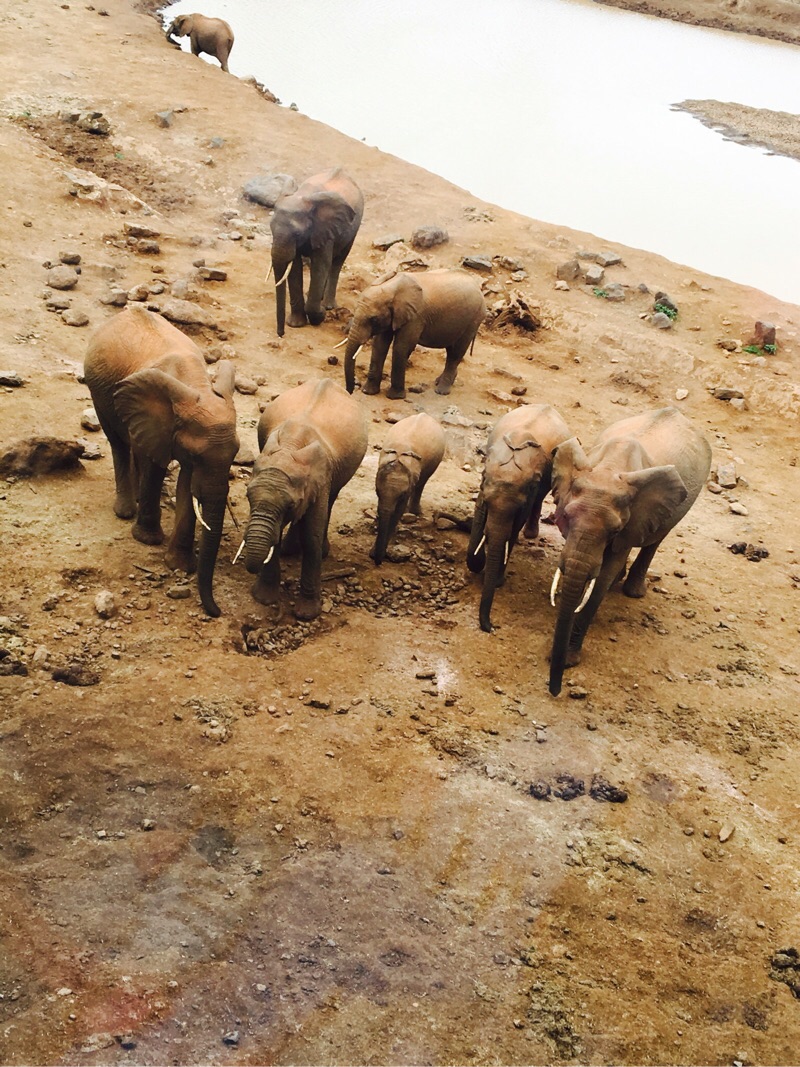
pixel 231 1038
pixel 70 258
pixel 62 277
pixel 246 386
pixel 75 318
pixel 147 824
pixel 661 321
pixel 577 692
pixel 726 832
pixel 429 237
pixel 105 604
pixel 562 286
pixel 738 509
pixel 10 379
pixel 482 263
pixel 681 394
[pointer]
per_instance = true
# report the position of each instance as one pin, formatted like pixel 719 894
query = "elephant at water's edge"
pixel 214 37
pixel 312 440
pixel 412 451
pixel 437 309
pixel 319 221
pixel 155 403
pixel 639 480
pixel 516 479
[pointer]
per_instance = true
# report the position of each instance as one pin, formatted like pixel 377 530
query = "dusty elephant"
pixel 312 440
pixel 319 221
pixel 155 403
pixel 516 479
pixel 639 480
pixel 436 309
pixel 214 37
pixel 412 451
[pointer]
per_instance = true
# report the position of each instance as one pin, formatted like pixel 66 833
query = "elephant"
pixel 412 451
pixel 438 309
pixel 312 440
pixel 214 37
pixel 637 482
pixel 155 403
pixel 319 221
pixel 516 479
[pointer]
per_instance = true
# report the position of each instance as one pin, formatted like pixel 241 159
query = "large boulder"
pixel 267 189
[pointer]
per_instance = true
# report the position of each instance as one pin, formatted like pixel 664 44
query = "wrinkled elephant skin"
pixel 209 36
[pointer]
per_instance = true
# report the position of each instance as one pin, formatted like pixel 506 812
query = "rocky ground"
pixel 776 131
pixel 374 838
pixel 778 19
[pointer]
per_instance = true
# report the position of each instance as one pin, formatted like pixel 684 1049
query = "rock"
pixel 601 789
pixel 577 692
pixel 726 832
pixel 681 394
pixel 187 313
pixel 62 277
pixel 147 824
pixel 11 379
pixel 569 271
pixel 179 592
pixel 509 264
pixel 594 275
pixel 662 321
pixel 267 189
pixel 94 122
pixel 568 787
pixel 453 417
pixel 385 243
pixel 40 660
pixel 615 292
pixel 665 302
pixel 72 317
pixel 562 285
pixel 323 703
pixel 216 142
pixel 726 475
pixel 231 1038
pixel 147 248
pixel 429 237
pixel 713 487
pixel 400 257
pixel 540 790
pixel 105 605
pixel 54 302
pixel 212 274
pixel 764 334
pixel 481 263
pixel 89 420
pixel 738 403
pixel 245 457
pixel 138 292
pixel 135 229
pixel 738 509
pixel 398 554
pixel 183 289
pixel 40 455
pixel 246 386
pixel 608 259
pixel 70 258
pixel 164 118
pixel 76 673
pixel 90 449
pixel 722 393
pixel 729 346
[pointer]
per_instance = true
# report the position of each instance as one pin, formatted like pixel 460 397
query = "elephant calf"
pixel 516 479
pixel 312 440
pixel 437 309
pixel 214 37
pixel 412 451
pixel 154 400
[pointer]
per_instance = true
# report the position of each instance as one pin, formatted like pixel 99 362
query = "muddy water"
pixel 559 109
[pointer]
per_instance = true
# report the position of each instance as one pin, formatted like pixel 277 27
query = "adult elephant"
pixel 636 483
pixel 319 221
pixel 412 451
pixel 516 479
pixel 155 403
pixel 214 37
pixel 312 440
pixel 437 309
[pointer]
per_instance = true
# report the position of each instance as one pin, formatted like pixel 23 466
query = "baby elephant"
pixel 412 451
pixel 312 440
pixel 214 37
pixel 516 479
pixel 437 309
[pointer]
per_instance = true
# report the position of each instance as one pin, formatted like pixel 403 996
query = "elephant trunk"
pixel 388 518
pixel 476 552
pixel 213 515
pixel 262 537
pixel 279 268
pixel 497 547
pixel 356 339
pixel 575 578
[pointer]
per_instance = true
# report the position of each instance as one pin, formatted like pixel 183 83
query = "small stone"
pixel 608 259
pixel 117 298
pixel 148 824
pixel 713 487
pixel 90 449
pixel 665 302
pixel 72 317
pixel 507 263
pixel 105 604
pixel 62 277
pixel 577 692
pixel 615 292
pixel 726 475
pixel 137 230
pixel 148 248
pixel 562 286
pixel 764 334
pixel 138 292
pixel 213 274
pixel 541 737
pixel 11 379
pixel 94 122
pixel 681 394
pixel 661 321
pixel 384 243
pixel 318 702
pixel 231 1038
pixel 738 403
pixel 267 189
pixel 246 386
pixel 64 991
pixel 540 790
pixel 186 313
pixel 729 346
pixel 738 509
pixel 569 271
pixel 56 302
pixel 70 258
pixel 429 237
pixel 164 118
pixel 481 263
pixel 726 831
pixel 594 275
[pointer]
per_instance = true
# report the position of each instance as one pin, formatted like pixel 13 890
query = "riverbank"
pixel 227 841
pixel 776 131
pixel 776 19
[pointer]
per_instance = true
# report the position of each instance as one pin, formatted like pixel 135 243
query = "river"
pixel 558 109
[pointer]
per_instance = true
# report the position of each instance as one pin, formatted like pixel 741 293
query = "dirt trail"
pixel 318 844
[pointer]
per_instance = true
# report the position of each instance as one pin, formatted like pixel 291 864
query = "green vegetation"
pixel 772 349
pixel 665 309
pixel 600 292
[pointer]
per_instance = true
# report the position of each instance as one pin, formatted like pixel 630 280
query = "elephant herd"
pixel 156 404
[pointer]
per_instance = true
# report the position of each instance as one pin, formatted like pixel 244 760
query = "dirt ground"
pixel 318 844
pixel 777 19
pixel 776 131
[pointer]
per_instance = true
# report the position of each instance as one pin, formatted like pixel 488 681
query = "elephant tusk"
pixel 266 277
pixel 505 557
pixel 480 544
pixel 239 552
pixel 199 514
pixel 269 555
pixel 344 342
pixel 554 586
pixel 586 596
pixel 285 275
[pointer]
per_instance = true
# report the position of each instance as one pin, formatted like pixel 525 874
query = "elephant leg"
pixel 401 350
pixel 266 589
pixel 380 349
pixel 125 498
pixel 313 535
pixel 333 278
pixel 636 582
pixel 531 530
pixel 195 45
pixel 455 353
pixel 297 314
pixel 180 547
pixel 222 56
pixel 414 505
pixel 147 527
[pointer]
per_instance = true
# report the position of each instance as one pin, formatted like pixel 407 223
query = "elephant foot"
pixel 124 507
pixel 148 535
pixel 307 607
pixel 395 394
pixel 296 321
pixel 181 559
pixel 531 532
pixel 573 657
pixel 269 595
pixel 443 385
pixel 635 587
pixel 370 388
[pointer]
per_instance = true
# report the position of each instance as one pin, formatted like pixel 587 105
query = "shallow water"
pixel 559 109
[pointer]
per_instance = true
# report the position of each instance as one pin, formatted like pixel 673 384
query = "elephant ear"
pixel 658 492
pixel 225 380
pixel 152 405
pixel 332 215
pixel 407 303
pixel 568 459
